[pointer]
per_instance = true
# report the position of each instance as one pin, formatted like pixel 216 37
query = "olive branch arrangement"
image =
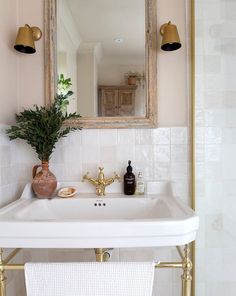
pixel 42 127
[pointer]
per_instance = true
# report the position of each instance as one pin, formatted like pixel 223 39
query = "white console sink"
pixel 88 221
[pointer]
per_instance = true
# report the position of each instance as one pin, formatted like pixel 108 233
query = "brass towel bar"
pixel 157 265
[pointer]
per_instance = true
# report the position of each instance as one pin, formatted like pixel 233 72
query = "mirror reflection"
pixel 101 47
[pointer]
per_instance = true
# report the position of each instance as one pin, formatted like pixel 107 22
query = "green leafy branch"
pixel 42 127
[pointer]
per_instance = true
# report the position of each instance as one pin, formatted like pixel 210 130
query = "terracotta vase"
pixel 132 80
pixel 44 183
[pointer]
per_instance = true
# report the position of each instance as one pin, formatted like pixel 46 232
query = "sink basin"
pixel 88 221
pixel 89 208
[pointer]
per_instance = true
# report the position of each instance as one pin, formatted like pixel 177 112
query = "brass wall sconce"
pixel 170 40
pixel 25 39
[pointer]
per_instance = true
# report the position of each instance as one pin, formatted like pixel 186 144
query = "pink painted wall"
pixel 172 70
pixel 22 77
pixel 31 67
pixel 8 61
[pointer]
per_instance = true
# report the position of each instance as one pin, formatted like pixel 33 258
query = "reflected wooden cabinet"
pixel 116 100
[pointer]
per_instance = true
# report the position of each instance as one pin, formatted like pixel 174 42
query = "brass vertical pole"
pixel 99 254
pixel 186 276
pixel 2 275
pixel 2 284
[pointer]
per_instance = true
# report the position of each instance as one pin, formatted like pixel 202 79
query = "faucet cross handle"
pixel 85 177
pixel 117 177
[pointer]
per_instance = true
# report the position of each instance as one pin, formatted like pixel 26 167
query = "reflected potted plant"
pixel 63 91
pixel 134 78
pixel 42 127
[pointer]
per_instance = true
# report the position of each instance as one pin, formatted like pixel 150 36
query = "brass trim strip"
pixel 193 103
pixel 193 141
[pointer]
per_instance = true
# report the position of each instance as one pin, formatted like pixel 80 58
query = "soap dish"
pixel 67 192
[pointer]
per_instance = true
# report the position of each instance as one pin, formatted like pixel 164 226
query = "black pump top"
pixel 129 167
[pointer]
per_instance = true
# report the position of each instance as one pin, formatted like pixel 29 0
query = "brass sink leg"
pixel 186 276
pixel 102 255
pixel 2 284
pixel 2 275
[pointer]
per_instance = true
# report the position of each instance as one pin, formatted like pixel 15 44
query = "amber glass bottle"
pixel 129 180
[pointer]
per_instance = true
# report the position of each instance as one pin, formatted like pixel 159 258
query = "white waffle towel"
pixel 89 279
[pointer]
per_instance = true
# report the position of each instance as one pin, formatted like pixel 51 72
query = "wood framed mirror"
pixel 128 47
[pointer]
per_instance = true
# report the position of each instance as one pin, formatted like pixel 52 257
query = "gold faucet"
pixel 101 182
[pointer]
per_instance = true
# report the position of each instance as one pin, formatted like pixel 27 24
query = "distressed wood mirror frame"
pixel 150 120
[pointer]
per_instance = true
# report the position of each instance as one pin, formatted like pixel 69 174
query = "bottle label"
pixel 140 188
pixel 129 178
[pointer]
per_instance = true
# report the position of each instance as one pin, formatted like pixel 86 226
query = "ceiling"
pixel 102 21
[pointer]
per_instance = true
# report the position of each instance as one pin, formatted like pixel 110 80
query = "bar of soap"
pixel 67 192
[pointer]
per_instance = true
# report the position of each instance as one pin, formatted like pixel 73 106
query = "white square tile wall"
pixel 161 154
pixel 216 139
